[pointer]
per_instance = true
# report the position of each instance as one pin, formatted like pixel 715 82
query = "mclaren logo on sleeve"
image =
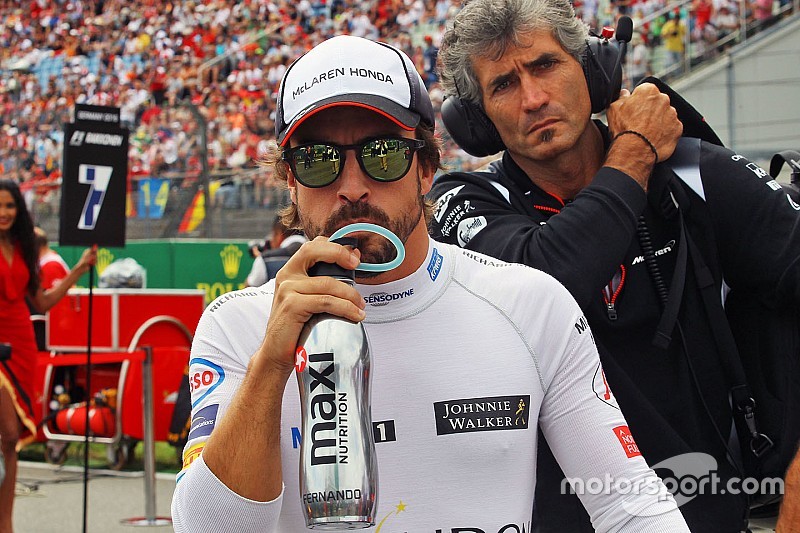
pixel 482 414
pixel 601 389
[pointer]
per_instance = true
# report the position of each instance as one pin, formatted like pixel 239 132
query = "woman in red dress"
pixel 19 280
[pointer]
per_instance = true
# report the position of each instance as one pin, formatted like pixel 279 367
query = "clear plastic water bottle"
pixel 338 469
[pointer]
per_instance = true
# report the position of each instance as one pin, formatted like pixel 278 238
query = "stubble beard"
pixel 374 249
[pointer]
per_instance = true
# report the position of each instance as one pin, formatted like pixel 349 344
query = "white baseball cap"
pixel 352 71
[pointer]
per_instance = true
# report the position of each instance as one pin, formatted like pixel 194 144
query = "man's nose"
pixel 353 183
pixel 534 95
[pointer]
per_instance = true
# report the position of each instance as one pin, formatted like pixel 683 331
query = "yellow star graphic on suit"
pixel 399 508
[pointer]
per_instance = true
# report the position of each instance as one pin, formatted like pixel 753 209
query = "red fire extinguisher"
pixel 72 420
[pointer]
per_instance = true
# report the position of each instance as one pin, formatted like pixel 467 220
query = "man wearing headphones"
pixel 637 222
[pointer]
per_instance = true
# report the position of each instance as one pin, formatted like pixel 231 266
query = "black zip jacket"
pixel 748 232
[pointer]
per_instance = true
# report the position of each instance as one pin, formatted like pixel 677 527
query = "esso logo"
pixel 203 378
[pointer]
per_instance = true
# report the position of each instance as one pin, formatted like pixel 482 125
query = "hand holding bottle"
pixel 299 296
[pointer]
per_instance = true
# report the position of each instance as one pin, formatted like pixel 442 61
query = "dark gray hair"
pixel 486 28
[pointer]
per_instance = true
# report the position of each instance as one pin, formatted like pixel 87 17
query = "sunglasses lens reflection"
pixel 318 165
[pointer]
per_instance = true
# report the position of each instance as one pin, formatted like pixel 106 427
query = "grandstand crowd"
pixel 152 57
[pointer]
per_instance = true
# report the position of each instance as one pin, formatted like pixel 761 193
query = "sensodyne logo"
pixel 379 299
pixel 494 413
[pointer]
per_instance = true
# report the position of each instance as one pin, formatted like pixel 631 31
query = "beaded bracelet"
pixel 642 137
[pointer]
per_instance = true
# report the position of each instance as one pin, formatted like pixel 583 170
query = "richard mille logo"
pixel 481 414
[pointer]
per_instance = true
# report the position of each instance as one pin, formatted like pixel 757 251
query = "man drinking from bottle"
pixel 470 355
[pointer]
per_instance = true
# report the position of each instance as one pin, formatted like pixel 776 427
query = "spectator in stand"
pixel 158 85
pixel 700 28
pixel 726 21
pixel 638 60
pixel 673 34
pixel 418 59
pixel 430 54
pixel 621 7
pixel 703 33
pixel 702 10
pixel 362 26
pixel 588 12
pixel 762 13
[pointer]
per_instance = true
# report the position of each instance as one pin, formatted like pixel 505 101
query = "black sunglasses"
pixel 383 159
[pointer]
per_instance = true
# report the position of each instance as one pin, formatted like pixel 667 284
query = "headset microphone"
pixel 624 31
pixel 624 35
pixel 603 64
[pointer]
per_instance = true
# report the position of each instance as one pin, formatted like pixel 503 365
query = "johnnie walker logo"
pixel 482 414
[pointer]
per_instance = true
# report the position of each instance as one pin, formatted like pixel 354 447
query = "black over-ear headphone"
pixel 472 130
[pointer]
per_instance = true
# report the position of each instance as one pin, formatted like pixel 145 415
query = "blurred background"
pixel 196 84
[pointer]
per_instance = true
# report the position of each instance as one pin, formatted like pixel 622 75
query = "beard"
pixel 374 248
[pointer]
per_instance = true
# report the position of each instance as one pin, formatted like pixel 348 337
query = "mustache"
pixel 353 211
